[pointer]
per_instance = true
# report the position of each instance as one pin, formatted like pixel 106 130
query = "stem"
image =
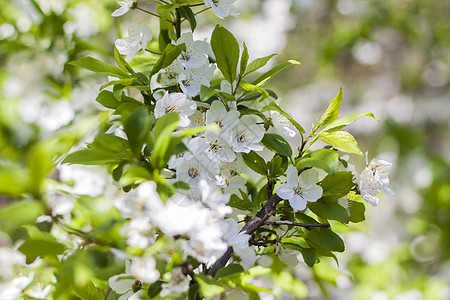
pixel 199 12
pixel 153 52
pixel 153 14
pixel 178 23
pixel 289 223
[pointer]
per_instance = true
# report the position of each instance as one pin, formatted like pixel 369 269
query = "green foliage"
pixel 325 159
pixel 277 144
pixel 255 162
pixel 99 67
pixel 337 185
pixel 341 140
pixel 258 63
pixel 138 128
pixel 275 107
pixel 170 53
pixel 226 50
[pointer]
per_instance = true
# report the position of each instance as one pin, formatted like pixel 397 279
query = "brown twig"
pixel 289 223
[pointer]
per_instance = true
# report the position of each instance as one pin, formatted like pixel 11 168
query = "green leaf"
pixel 258 63
pixel 341 140
pixel 332 111
pixel 309 256
pixel 294 243
pixel 193 291
pixel 12 215
pixel 242 204
pixel 187 13
pixel 277 144
pixel 107 99
pixel 135 174
pixel 325 159
pixel 244 61
pixel 170 53
pixel 138 127
pixel 261 80
pixel 231 269
pixel 226 50
pixel 255 162
pixel 90 292
pixel 337 185
pixel 123 65
pixel 329 211
pixel 253 88
pixel 99 67
pixel 13 180
pixel 278 165
pixel 347 120
pixel 244 110
pixel 164 128
pixel 326 238
pixel 32 248
pixel 357 210
pixel 95 157
pixel 208 286
pixel 275 107
pixel 154 289
pixel 124 83
pixel 289 283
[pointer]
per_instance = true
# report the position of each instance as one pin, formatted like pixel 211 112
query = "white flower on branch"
pixel 300 189
pixel 176 102
pixel 191 80
pixel 144 269
pixel 13 289
pixel 196 52
pixel 373 179
pixel 137 39
pixel 246 135
pixel 218 114
pixel 125 6
pixel 222 8
pixel 229 175
pixel 178 283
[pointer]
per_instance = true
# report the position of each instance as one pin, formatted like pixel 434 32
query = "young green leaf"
pixel 138 127
pixel 357 210
pixel 341 140
pixel 347 120
pixel 337 185
pixel 170 53
pixel 325 159
pixel 261 80
pixel 187 13
pixel 258 63
pixel 127 82
pixel 244 61
pixel 226 50
pixel 164 128
pixel 107 99
pixel 332 111
pixel 99 67
pixel 329 211
pixel 253 88
pixel 33 248
pixel 154 289
pixel 122 63
pixel 209 287
pixel 277 144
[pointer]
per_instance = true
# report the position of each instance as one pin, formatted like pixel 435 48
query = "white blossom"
pixel 239 242
pixel 191 80
pixel 196 52
pixel 170 74
pixel 229 174
pixel 139 232
pixel 246 135
pixel 178 283
pixel 281 124
pixel 144 269
pixel 373 179
pixel 38 291
pixel 122 284
pixel 176 102
pixel 137 39
pixel 300 189
pixel 13 289
pixel 218 148
pixel 218 114
pixel 125 6
pixel 222 8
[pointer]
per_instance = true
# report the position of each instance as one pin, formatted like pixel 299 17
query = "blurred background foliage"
pixel 392 58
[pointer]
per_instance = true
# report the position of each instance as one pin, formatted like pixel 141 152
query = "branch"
pixel 261 217
pixel 289 223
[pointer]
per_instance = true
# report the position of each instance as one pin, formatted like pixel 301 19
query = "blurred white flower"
pixel 144 269
pixel 38 291
pixel 373 179
pixel 222 8
pixel 125 6
pixel 178 283
pixel 13 289
pixel 299 189
pixel 176 102
pixel 137 39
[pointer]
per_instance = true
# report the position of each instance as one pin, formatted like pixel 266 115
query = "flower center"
pixel 170 109
pixel 193 172
pixel 298 190
pixel 240 137
pixel 214 146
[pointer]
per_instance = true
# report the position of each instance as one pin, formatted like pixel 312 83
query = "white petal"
pixel 284 191
pixel 309 177
pixel 120 11
pixel 297 203
pixel 312 193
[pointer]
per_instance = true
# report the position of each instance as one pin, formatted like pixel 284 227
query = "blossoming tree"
pixel 209 185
